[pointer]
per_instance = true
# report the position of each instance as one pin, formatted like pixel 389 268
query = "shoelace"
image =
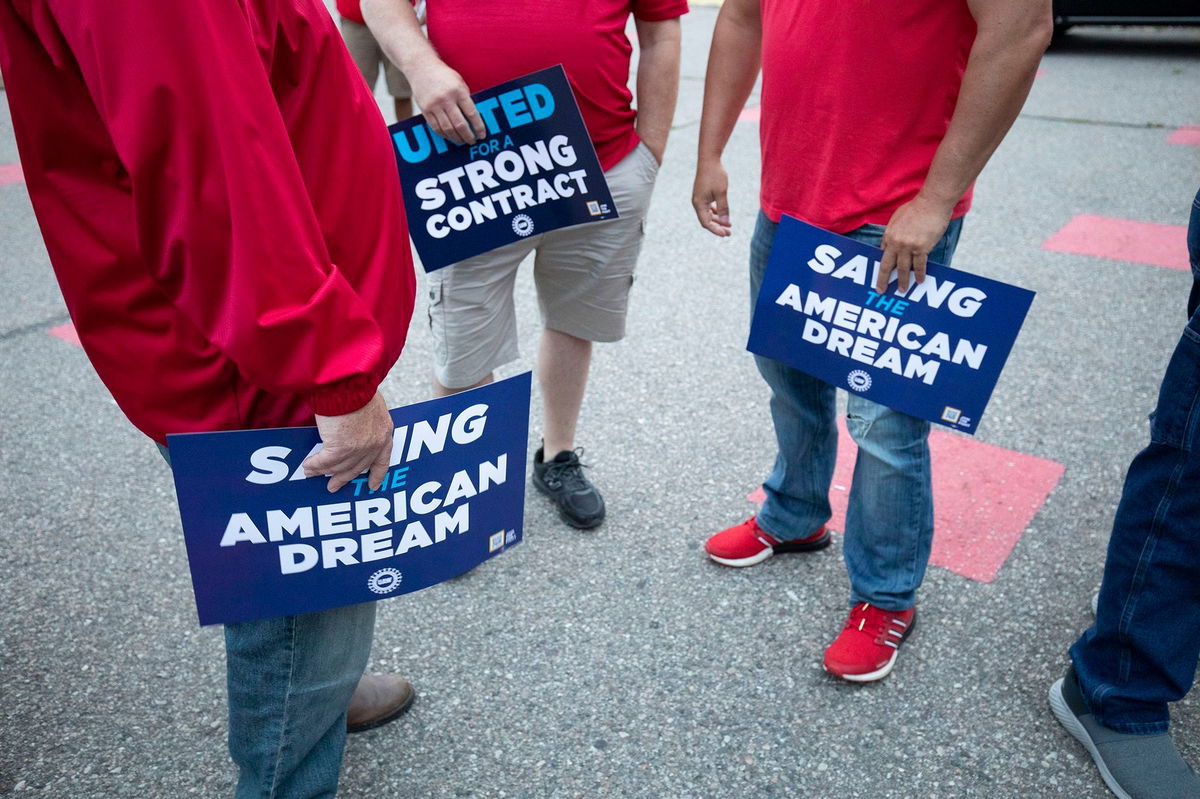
pixel 570 474
pixel 881 625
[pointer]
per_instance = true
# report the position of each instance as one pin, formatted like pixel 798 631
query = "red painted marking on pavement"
pixel 67 333
pixel 984 497
pixel 1123 240
pixel 750 114
pixel 1039 73
pixel 757 496
pixel 1188 134
pixel 11 173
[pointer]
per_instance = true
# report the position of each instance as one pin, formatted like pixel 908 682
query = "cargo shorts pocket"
pixel 1176 418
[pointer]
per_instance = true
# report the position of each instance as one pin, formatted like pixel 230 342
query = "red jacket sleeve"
pixel 224 221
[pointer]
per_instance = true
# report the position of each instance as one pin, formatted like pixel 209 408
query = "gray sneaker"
pixel 1133 766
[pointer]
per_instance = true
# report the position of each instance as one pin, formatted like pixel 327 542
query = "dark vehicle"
pixel 1124 12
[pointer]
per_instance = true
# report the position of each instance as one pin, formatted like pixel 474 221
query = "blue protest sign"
pixel 536 171
pixel 934 352
pixel 263 541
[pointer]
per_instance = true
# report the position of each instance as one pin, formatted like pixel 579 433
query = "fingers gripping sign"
pixel 446 102
pixel 912 232
pixel 352 444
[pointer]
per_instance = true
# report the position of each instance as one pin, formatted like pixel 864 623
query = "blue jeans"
pixel 889 522
pixel 1142 651
pixel 290 681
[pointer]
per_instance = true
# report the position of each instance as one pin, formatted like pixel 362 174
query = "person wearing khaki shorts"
pixel 583 274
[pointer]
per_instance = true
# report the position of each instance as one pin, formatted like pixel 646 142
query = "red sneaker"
pixel 867 647
pixel 748 544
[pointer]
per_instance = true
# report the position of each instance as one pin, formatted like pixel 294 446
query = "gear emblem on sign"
pixel 859 380
pixel 384 581
pixel 522 225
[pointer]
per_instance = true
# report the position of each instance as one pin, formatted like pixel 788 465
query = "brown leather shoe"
pixel 378 699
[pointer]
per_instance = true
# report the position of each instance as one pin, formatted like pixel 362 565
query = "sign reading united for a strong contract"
pixel 536 171
pixel 934 351
pixel 265 541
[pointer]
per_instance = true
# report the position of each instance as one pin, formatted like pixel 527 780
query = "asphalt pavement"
pixel 621 662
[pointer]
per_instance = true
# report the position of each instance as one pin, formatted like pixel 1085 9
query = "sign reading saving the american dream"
pixel 934 352
pixel 535 171
pixel 264 541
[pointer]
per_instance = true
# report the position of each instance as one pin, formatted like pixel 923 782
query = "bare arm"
pixel 657 81
pixel 1011 37
pixel 439 91
pixel 733 63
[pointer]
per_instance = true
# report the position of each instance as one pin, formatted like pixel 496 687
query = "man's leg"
pixel 563 363
pixel 290 681
pixel 472 318
pixel 889 520
pixel 584 275
pixel 1141 653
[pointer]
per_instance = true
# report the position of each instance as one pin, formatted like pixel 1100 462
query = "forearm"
pixel 657 81
pixel 395 26
pixel 999 74
pixel 733 64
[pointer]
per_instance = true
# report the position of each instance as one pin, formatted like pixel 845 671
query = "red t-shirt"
pixel 856 97
pixel 488 43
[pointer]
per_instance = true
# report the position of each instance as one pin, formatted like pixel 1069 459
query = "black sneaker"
pixel 562 479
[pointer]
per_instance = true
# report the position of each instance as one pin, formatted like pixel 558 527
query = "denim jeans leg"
pixel 1142 651
pixel 290 681
pixel 803 412
pixel 889 520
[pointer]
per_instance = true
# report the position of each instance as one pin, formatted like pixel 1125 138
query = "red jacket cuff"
pixel 345 396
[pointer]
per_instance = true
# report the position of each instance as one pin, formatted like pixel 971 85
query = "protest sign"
pixel 263 541
pixel 536 171
pixel 934 352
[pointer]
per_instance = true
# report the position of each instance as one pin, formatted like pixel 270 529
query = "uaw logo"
pixel 384 581
pixel 522 225
pixel 858 380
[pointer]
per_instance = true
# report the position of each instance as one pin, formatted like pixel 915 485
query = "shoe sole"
pixel 1062 712
pixel 783 548
pixel 878 674
pixel 578 525
pixel 388 719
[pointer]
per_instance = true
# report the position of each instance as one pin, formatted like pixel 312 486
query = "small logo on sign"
pixel 593 208
pixel 951 415
pixel 858 380
pixel 522 225
pixel 384 581
pixel 510 537
pixel 496 541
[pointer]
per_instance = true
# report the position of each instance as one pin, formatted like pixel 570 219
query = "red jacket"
pixel 220 203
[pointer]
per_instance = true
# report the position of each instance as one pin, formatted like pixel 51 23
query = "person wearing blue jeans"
pixel 1141 653
pixel 889 520
pixel 885 150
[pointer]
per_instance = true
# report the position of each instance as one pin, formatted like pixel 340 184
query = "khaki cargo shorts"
pixel 583 275
pixel 368 57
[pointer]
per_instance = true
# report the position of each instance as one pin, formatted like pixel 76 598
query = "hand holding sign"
pixel 912 233
pixel 352 444
pixel 445 100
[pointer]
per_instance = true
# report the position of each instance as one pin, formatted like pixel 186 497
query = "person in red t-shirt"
pixel 876 120
pixel 222 275
pixel 584 273
pixel 369 58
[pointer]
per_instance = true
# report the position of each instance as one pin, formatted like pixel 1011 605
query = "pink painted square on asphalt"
pixel 750 114
pixel 67 333
pixel 984 497
pixel 1123 240
pixel 1187 135
pixel 11 173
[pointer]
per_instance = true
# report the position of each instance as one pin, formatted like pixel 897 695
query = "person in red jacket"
pixel 197 170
